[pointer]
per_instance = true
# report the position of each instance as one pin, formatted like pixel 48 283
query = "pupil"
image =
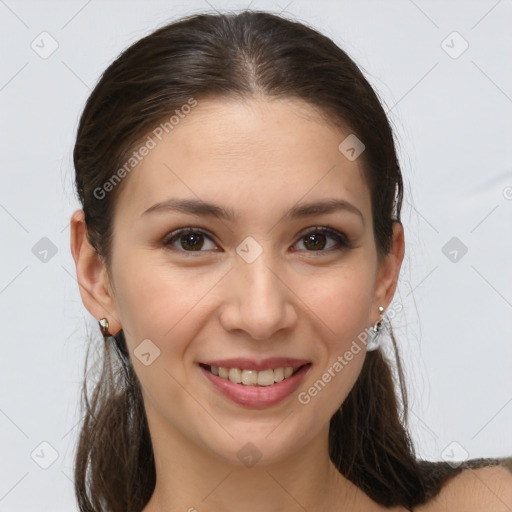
pixel 311 238
pixel 189 241
pixel 192 242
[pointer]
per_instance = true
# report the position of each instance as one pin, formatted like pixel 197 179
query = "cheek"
pixel 160 302
pixel 341 310
pixel 342 301
pixel 167 304
pixel 342 306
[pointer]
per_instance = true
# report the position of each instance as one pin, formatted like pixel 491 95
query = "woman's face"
pixel 264 283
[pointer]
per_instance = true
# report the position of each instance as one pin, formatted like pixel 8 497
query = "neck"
pixel 189 478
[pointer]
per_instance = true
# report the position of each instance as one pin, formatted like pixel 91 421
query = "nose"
pixel 258 300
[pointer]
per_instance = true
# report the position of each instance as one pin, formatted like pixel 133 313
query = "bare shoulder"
pixel 482 489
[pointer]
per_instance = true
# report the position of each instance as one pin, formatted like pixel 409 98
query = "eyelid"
pixel 342 240
pixel 175 234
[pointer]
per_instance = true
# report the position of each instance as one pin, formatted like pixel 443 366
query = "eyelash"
pixel 341 240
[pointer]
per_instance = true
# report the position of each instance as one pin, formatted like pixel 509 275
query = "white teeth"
pixel 249 377
pixel 279 374
pixel 253 377
pixel 235 375
pixel 266 377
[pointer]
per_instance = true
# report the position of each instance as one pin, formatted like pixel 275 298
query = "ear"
pixel 388 271
pixel 92 276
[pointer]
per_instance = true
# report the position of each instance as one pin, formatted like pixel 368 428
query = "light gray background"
pixel 453 127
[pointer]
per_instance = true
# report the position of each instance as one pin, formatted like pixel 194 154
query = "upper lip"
pixel 253 364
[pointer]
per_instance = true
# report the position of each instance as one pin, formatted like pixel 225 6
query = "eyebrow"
pixel 201 208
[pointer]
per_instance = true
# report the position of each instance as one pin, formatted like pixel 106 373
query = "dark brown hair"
pixel 237 56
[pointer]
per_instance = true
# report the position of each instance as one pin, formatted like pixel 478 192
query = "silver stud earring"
pixel 373 337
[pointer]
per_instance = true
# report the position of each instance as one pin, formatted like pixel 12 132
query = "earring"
pixel 104 327
pixel 373 338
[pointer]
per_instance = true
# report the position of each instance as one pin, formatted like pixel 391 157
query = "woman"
pixel 240 244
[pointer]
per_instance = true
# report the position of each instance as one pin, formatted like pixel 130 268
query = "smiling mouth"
pixel 245 377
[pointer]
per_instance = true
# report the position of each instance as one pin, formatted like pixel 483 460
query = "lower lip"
pixel 257 396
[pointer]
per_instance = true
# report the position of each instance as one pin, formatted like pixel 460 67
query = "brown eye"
pixel 315 240
pixel 190 240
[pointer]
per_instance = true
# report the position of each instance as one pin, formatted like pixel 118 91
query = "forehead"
pixel 257 152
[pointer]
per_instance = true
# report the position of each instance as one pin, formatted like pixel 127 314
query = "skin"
pixel 259 158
